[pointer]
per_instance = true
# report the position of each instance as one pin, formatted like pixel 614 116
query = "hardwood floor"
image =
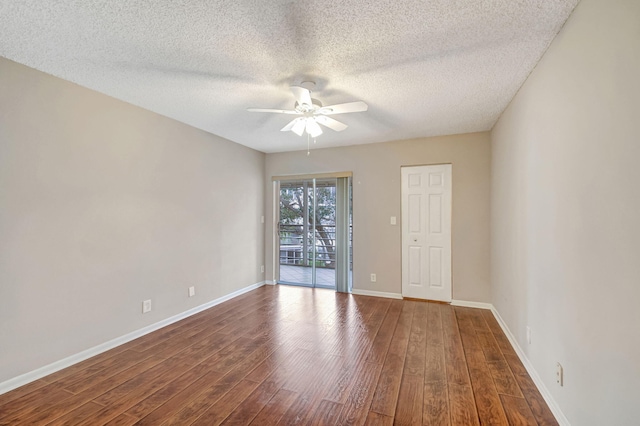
pixel 289 355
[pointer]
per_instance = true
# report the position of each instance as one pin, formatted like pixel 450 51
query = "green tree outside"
pixel 292 205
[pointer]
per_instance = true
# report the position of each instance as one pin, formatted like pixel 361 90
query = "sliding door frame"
pixel 342 227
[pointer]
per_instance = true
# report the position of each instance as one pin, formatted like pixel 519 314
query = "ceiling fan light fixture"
pixel 299 127
pixel 313 129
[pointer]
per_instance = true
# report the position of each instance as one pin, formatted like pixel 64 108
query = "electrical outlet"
pixel 373 278
pixel 262 268
pixel 393 220
pixel 528 335
pixel 146 306
pixel 559 374
pixel 261 219
pixel 192 291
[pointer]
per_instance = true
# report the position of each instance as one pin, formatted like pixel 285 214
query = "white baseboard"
pixel 469 304
pixel 270 282
pixel 376 294
pixel 41 372
pixel 553 405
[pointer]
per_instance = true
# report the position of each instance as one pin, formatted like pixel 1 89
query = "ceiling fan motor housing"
pixel 304 108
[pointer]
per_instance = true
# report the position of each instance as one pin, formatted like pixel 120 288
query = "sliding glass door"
pixel 311 228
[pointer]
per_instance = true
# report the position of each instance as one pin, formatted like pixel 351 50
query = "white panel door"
pixel 426 232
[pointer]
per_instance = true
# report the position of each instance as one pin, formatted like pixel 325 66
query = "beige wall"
pixel 376 197
pixel 566 202
pixel 103 205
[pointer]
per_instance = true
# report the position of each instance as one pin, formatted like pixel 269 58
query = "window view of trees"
pixel 300 221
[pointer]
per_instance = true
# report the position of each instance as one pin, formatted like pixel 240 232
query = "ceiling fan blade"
pixel 302 95
pixel 331 123
pixel 291 124
pixel 279 111
pixel 313 128
pixel 357 106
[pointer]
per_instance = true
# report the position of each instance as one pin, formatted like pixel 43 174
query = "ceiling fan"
pixel 311 112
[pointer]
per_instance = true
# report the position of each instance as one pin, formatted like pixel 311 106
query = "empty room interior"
pixel 320 212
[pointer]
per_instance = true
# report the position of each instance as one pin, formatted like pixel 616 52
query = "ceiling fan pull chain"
pixel 308 138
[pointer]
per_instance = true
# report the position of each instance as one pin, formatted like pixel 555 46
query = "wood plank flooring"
pixel 297 356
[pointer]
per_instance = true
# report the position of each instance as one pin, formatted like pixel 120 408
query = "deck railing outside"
pixel 296 248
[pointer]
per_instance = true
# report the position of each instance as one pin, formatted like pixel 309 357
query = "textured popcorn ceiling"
pixel 425 67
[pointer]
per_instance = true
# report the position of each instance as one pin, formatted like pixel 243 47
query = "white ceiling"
pixel 425 67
